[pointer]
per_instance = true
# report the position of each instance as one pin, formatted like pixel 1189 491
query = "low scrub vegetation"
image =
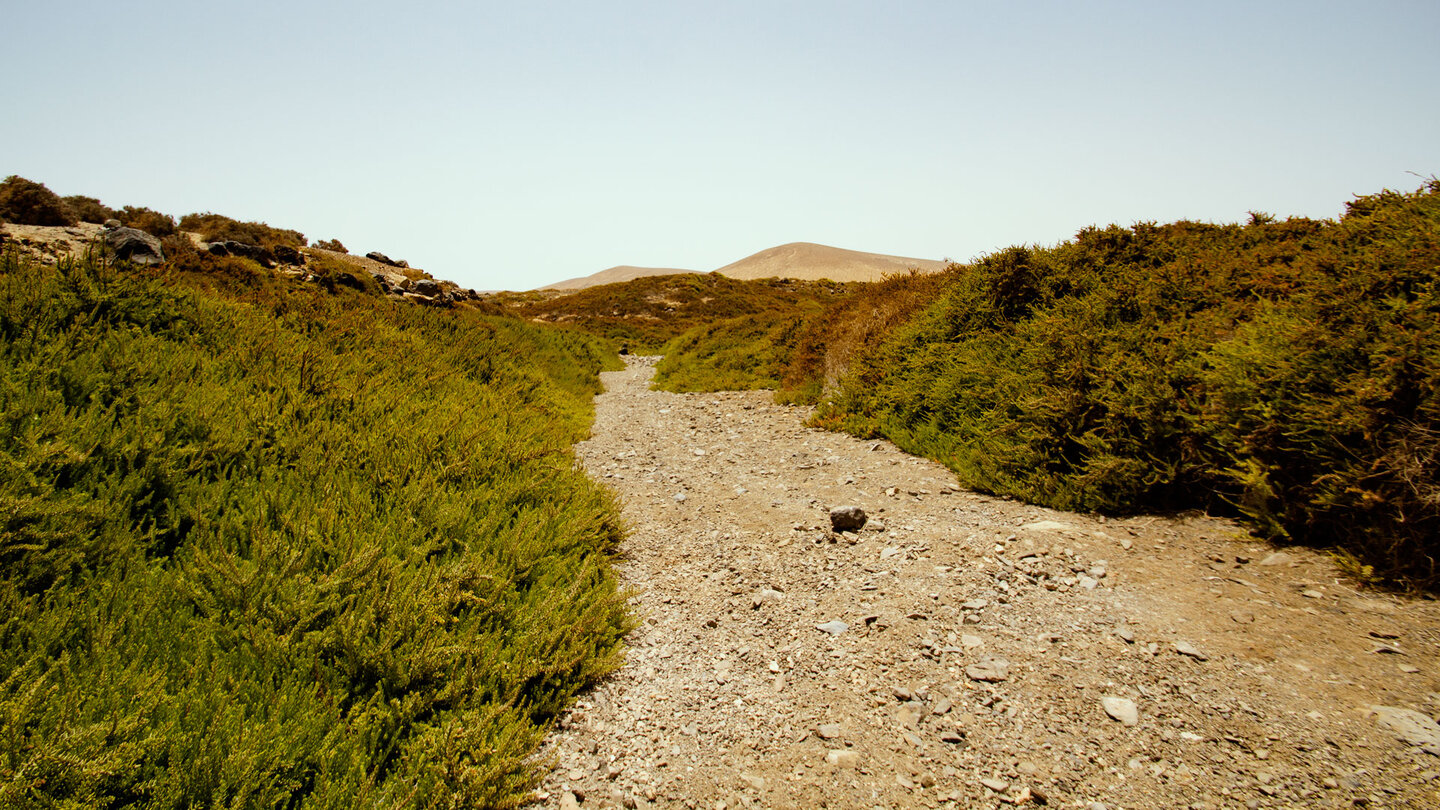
pixel 647 313
pixel 264 546
pixel 1286 370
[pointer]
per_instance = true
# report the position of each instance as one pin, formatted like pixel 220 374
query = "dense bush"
pixel 331 244
pixel 152 222
pixel 25 202
pixel 266 547
pixel 1286 369
pixel 218 228
pixel 88 209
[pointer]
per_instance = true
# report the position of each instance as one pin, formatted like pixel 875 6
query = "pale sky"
pixel 510 145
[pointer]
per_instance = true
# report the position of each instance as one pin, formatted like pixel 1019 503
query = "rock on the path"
pixel 997 785
pixel 991 669
pixel 834 627
pixel 1122 709
pixel 847 518
pixel 569 802
pixel 842 758
pixel 828 731
pixel 1186 648
pixel 1411 726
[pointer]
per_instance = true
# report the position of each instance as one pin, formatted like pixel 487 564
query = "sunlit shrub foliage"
pixel 267 546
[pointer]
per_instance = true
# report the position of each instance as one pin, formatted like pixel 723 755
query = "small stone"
pixel 829 731
pixel 1088 582
pixel 834 627
pixel 847 518
pixel 1409 669
pixel 568 801
pixel 767 595
pixel 974 604
pixel 971 641
pixel 1122 709
pixel 842 758
pixel 1125 633
pixel 1242 617
pixel 1186 648
pixel 753 782
pixel 679 497
pixel 997 785
pixel 990 669
pixel 904 781
pixel 1312 593
pixel 927 780
pixel 902 694
pixel 1278 558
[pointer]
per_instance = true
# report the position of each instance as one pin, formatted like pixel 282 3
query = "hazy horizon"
pixel 512 147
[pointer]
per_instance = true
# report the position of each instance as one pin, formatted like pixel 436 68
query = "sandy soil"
pixel 990 650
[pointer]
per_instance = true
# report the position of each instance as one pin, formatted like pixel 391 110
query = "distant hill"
pixel 614 275
pixel 809 261
pixel 798 260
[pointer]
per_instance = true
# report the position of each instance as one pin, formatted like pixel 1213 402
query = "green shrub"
pixel 265 547
pixel 25 202
pixel 1287 371
pixel 331 244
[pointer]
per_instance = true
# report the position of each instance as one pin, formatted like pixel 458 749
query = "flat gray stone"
pixel 834 627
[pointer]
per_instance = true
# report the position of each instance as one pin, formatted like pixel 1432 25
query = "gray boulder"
pixel 427 286
pixel 135 245
pixel 383 259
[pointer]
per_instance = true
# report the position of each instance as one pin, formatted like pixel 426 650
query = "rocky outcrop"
pixel 134 245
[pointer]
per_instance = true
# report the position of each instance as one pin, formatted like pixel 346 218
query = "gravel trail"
pixel 962 650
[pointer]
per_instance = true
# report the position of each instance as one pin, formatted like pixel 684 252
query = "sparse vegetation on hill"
pixel 219 228
pixel 649 312
pixel 264 546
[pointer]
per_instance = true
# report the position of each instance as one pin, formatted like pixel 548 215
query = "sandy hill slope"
pixel 614 275
pixel 806 260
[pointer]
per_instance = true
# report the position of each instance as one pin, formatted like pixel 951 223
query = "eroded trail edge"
pixel 976 651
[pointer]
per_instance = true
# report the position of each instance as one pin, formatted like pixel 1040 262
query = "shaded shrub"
pixel 26 202
pixel 331 244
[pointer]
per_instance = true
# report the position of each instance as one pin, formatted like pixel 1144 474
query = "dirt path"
pixel 987 646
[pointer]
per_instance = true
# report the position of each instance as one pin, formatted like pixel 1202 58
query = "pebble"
pixel 1125 633
pixel 1122 709
pixel 829 731
pixel 1278 558
pixel 834 627
pixel 842 759
pixel 997 785
pixel 568 801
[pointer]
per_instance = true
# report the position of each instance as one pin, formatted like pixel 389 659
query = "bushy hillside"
pixel 1285 371
pixel 268 546
pixel 647 313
